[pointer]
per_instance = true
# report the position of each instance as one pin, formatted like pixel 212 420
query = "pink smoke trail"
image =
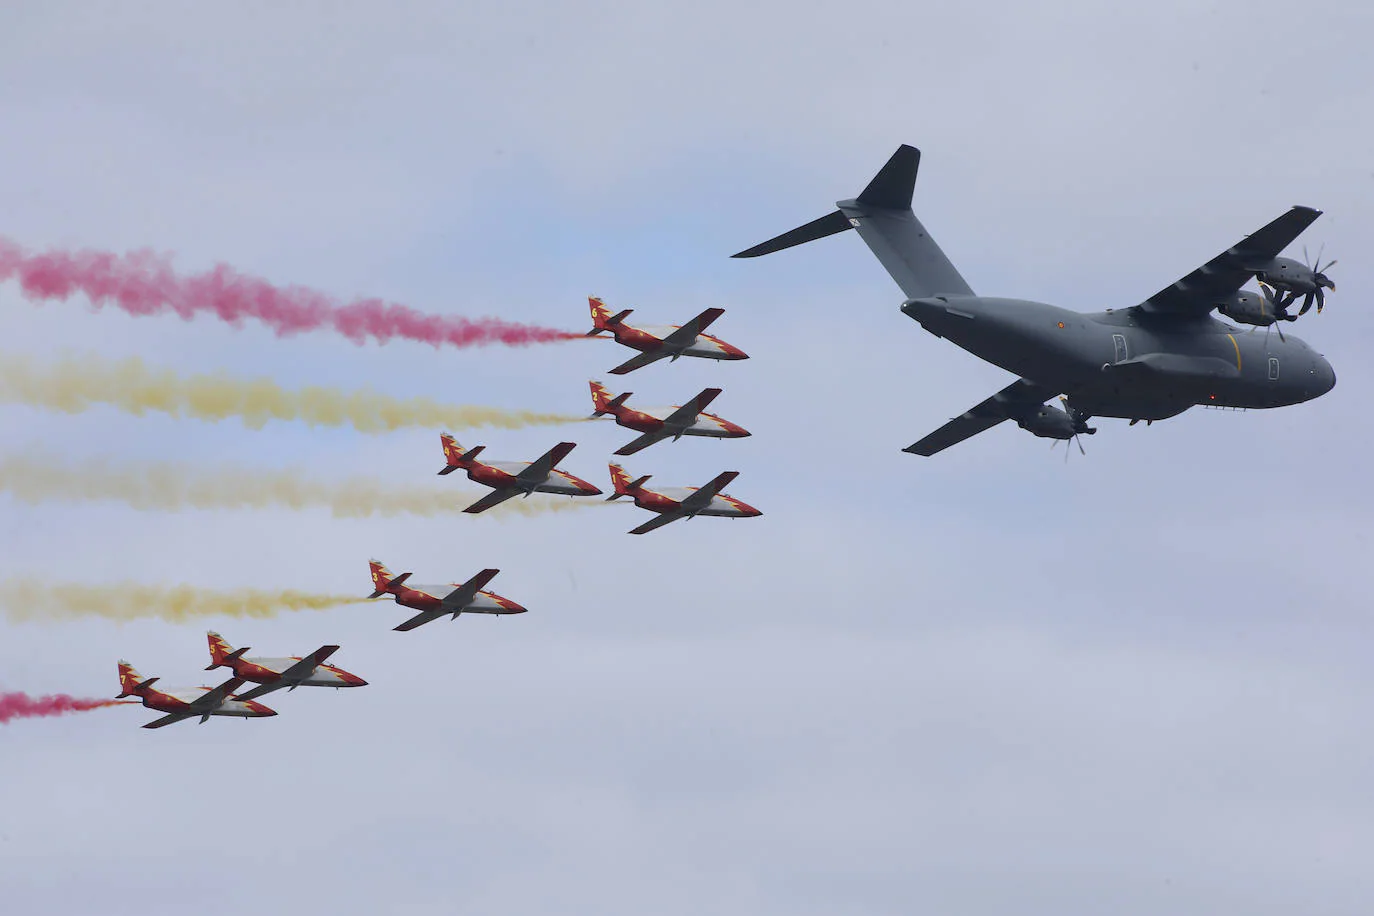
pixel 22 706
pixel 143 283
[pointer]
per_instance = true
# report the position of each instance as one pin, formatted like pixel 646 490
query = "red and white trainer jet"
pixel 514 478
pixel 659 423
pixel 655 343
pixel 435 601
pixel 188 702
pixel 673 503
pixel 275 673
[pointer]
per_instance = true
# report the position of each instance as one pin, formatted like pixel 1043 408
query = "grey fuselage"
pixel 1130 363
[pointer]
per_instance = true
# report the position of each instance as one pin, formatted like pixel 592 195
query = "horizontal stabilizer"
pixel 829 224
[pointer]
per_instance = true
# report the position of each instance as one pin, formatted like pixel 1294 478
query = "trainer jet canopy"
pixel 1146 362
pixel 659 423
pixel 188 702
pixel 435 601
pixel 514 478
pixel 673 503
pixel 655 343
pixel 275 673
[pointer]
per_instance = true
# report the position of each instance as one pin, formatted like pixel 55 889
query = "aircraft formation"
pixel 507 480
pixel 1148 361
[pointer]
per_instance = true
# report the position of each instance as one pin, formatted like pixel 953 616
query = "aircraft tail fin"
pixel 622 484
pixel 883 217
pixel 454 456
pixel 602 319
pixel 382 579
pixel 603 402
pixel 131 683
pixel 221 653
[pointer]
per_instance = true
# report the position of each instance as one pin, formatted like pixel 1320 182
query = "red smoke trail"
pixel 23 706
pixel 143 283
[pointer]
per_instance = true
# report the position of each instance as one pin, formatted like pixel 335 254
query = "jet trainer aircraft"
pixel 1146 362
pixel 435 601
pixel 655 343
pixel 275 673
pixel 514 478
pixel 188 702
pixel 673 503
pixel 659 423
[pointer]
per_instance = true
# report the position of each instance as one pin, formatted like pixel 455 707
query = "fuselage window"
pixel 1273 368
pixel 1120 341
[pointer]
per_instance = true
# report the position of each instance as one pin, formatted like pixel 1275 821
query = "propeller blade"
pixel 1306 304
pixel 1080 446
pixel 1305 259
pixel 1321 300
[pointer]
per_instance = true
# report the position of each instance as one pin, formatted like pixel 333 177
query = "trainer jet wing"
pixel 512 478
pixel 1020 398
pixel 454 602
pixel 672 345
pixel 1223 276
pixel 673 425
pixel 203 706
pixel 304 671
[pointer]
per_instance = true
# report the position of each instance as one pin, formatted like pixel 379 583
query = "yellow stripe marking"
pixel 1237 346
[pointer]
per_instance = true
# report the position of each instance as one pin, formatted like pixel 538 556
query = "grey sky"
pixel 980 683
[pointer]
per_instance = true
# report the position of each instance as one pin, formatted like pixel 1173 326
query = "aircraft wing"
pixel 494 498
pixel 421 619
pixel 539 468
pixel 1200 291
pixel 684 335
pixel 701 497
pixel 1019 395
pixel 463 594
pixel 297 672
pixel 687 414
pixel 215 697
pixel 658 521
pixel 167 720
pixel 643 441
pixel 640 361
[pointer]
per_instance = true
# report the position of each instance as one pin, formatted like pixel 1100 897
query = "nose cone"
pixel 1327 376
pixel 352 680
pixel 734 430
pixel 259 709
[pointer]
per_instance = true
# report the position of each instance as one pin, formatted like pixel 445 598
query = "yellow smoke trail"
pixel 165 486
pixel 73 385
pixel 27 600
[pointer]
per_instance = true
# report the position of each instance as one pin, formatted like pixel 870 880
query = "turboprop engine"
pixel 1253 308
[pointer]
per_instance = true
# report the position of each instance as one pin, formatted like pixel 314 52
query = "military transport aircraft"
pixel 659 423
pixel 1146 362
pixel 655 343
pixel 275 673
pixel 673 503
pixel 188 702
pixel 514 478
pixel 435 601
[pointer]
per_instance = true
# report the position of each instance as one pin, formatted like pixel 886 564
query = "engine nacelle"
pixel 1286 274
pixel 1048 423
pixel 1248 308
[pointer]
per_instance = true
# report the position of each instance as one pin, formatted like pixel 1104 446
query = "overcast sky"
pixel 985 682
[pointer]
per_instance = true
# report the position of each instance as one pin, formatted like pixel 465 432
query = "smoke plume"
pixel 73 385
pixel 14 705
pixel 163 486
pixel 26 600
pixel 143 283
